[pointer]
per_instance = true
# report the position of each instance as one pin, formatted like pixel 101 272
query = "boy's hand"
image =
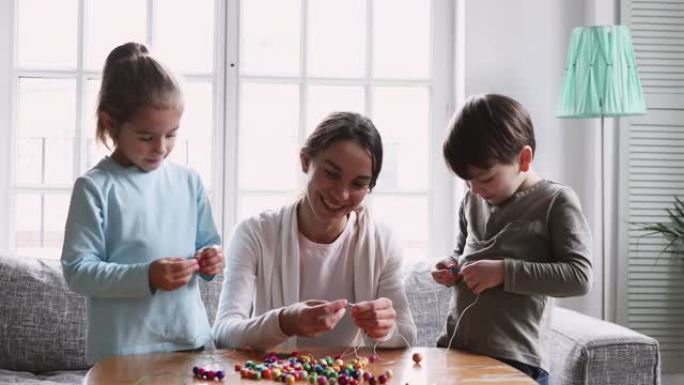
pixel 444 274
pixel 171 273
pixel 483 275
pixel 210 261
pixel 311 318
pixel 376 318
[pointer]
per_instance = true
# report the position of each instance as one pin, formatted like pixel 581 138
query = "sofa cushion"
pixel 586 350
pixel 210 292
pixel 43 323
pixel 53 378
pixel 429 302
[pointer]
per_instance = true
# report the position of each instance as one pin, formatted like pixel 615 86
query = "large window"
pixel 55 80
pixel 258 76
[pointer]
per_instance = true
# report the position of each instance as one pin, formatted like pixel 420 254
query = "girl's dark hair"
pixel 487 130
pixel 131 80
pixel 339 126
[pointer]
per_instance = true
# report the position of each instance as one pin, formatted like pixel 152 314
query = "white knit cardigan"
pixel 262 276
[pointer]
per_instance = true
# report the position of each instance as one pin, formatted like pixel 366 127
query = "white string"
pixel 459 320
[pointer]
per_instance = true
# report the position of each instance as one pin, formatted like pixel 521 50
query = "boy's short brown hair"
pixel 487 130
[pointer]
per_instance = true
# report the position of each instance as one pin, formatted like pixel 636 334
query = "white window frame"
pixel 9 103
pixel 6 117
pixel 443 192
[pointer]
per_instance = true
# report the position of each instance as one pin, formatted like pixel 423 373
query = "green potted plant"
pixel 672 231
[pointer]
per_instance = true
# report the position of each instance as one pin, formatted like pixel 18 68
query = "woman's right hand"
pixel 172 272
pixel 311 318
pixel 444 274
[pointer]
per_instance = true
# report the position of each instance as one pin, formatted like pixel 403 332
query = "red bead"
pixel 238 367
pixel 382 378
pixel 417 357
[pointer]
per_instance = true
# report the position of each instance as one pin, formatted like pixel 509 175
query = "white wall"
pixel 518 48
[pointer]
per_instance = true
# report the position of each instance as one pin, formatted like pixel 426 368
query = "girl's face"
pixel 338 179
pixel 147 139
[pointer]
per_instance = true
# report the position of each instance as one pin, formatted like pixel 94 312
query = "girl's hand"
pixel 484 274
pixel 172 272
pixel 443 273
pixel 210 261
pixel 376 317
pixel 311 318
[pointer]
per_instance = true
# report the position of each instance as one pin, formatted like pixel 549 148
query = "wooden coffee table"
pixel 439 366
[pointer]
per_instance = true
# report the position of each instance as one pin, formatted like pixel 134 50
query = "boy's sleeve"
pixel 462 232
pixel 570 271
pixel 84 248
pixel 235 326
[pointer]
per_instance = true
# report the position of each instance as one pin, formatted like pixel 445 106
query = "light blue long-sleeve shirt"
pixel 120 220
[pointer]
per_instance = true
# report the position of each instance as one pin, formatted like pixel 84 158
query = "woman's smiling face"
pixel 338 179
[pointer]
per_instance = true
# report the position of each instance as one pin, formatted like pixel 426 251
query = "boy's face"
pixel 495 184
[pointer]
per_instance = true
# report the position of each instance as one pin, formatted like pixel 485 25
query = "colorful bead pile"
pixel 203 374
pixel 298 366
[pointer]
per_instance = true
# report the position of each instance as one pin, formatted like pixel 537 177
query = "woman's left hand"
pixel 211 261
pixel 376 318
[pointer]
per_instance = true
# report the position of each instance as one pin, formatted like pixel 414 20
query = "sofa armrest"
pixel 586 350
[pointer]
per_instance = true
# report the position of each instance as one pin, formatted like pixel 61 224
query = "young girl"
pixel 135 222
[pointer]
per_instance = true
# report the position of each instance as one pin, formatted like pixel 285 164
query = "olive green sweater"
pixel 545 243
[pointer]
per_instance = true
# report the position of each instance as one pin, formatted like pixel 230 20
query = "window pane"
pixel 410 223
pixel 335 49
pixel 96 150
pixel 59 161
pixel 322 100
pixel 197 128
pixel 268 148
pixel 27 226
pixel 56 209
pixel 401 114
pixel 184 34
pixel 270 39
pixel 254 204
pixel 28 165
pixel 47 108
pixel 109 24
pixel 47 34
pixel 401 38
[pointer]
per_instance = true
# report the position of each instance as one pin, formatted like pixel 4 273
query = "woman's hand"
pixel 172 272
pixel 484 274
pixel 376 318
pixel 311 318
pixel 443 272
pixel 210 261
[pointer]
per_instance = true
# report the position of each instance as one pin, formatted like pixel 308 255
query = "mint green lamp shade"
pixel 601 78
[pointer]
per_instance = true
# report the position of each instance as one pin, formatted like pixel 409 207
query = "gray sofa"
pixel 42 331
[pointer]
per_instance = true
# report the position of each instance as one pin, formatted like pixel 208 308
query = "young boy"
pixel 522 239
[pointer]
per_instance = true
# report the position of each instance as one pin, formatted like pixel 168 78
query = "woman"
pixel 320 271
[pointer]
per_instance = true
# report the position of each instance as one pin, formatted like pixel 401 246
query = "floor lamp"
pixel 601 80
